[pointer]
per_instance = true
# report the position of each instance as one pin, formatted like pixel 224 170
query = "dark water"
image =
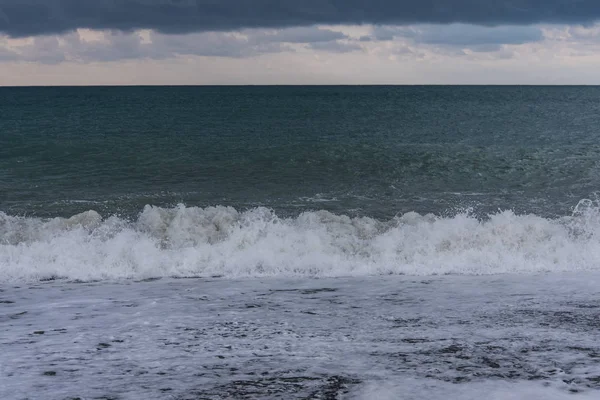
pixel 361 150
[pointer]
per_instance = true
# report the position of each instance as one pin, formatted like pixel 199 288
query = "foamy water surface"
pixel 221 241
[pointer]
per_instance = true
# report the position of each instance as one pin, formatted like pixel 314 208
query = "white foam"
pixel 191 241
pixel 420 389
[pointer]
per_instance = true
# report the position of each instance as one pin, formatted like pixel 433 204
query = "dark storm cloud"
pixel 33 17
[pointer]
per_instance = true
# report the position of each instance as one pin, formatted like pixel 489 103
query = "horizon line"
pixel 310 85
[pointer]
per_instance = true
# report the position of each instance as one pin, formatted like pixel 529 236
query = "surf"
pixel 221 241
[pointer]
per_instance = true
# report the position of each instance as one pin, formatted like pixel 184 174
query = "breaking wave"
pixel 197 242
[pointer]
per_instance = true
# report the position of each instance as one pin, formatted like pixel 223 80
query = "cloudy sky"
pixel 79 42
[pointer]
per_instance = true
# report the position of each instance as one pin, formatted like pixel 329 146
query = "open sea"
pixel 300 242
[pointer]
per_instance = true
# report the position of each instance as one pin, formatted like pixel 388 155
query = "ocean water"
pixel 338 242
pixel 243 181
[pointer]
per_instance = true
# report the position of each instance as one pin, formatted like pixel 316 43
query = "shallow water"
pixel 466 337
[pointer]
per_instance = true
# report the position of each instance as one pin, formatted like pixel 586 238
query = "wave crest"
pixel 191 241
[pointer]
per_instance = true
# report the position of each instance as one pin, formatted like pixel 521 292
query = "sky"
pixel 179 42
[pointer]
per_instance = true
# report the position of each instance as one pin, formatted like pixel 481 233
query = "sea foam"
pixel 197 242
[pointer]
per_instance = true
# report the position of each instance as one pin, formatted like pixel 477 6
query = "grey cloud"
pixel 43 49
pixel 485 48
pixel 387 33
pixel 214 44
pixel 469 35
pixel 585 35
pixel 8 55
pixel 35 17
pixel 335 46
pixel 47 51
pixel 118 45
pixel 253 42
pixel 477 38
pixel 305 35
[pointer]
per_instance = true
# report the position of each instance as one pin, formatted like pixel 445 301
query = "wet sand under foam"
pixel 506 336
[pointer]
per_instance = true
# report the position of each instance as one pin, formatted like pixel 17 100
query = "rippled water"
pixel 371 151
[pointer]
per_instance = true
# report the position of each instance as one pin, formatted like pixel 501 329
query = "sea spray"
pixel 195 242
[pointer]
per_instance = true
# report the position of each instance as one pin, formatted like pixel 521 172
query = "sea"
pixel 300 242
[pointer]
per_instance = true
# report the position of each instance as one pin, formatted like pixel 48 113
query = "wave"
pixel 199 242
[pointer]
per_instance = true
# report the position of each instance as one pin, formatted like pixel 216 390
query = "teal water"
pixel 361 150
